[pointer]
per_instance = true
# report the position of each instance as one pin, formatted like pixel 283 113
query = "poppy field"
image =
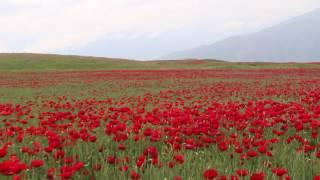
pixel 161 124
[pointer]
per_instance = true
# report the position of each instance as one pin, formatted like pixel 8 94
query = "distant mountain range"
pixel 144 46
pixel 297 39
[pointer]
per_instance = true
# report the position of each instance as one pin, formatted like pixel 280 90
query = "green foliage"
pixel 46 62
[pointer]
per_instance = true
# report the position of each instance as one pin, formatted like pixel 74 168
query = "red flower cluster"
pixel 12 166
pixel 197 119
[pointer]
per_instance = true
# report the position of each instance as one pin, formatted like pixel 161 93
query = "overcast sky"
pixel 56 25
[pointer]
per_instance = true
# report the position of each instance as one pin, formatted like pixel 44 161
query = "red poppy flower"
pixel 262 149
pixel 134 175
pixel 316 178
pixel 140 160
pixel 50 173
pixel 179 158
pixel 242 172
pixel 223 146
pixel 177 178
pixel 96 167
pixel 121 147
pixel 318 154
pixel 279 171
pixel 210 174
pixel 252 153
pixel 257 176
pixel 36 163
pixel 111 160
pixel 11 167
pixel 123 168
pixel 234 177
pixel 3 152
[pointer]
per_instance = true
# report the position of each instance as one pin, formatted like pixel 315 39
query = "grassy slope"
pixel 45 62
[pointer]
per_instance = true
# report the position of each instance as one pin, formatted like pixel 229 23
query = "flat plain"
pixel 73 117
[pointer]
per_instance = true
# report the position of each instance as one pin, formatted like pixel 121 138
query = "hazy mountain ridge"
pixel 296 39
pixel 145 46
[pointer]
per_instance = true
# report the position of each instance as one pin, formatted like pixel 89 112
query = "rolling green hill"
pixel 49 62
